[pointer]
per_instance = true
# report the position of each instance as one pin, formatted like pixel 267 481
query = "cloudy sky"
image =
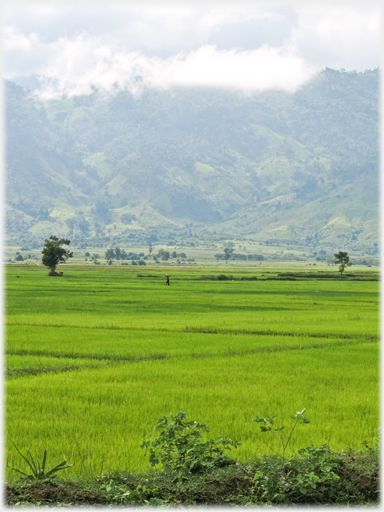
pixel 58 47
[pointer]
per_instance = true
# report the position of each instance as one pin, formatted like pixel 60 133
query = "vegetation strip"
pixel 299 276
pixel 21 372
pixel 199 330
pixel 36 371
pixel 283 349
pixel 99 357
pixel 274 333
pixel 331 478
pixel 321 275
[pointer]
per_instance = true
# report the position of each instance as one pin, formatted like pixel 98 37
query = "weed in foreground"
pixel 268 427
pixel 38 472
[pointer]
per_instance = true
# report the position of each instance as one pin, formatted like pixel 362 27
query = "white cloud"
pixel 157 27
pixel 339 37
pixel 73 65
pixel 254 70
pixel 248 48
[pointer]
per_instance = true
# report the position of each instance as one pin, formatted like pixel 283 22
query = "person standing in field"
pixel 167 279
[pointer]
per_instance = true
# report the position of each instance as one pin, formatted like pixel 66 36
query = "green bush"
pixel 316 475
pixel 220 277
pixel 179 446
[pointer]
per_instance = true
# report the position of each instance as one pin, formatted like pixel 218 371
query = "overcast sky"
pixel 61 48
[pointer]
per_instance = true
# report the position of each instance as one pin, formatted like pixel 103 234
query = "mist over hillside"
pixel 284 168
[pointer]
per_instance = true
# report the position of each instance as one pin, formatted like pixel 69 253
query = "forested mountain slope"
pixel 269 166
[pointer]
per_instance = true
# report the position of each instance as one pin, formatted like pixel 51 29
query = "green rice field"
pixel 94 358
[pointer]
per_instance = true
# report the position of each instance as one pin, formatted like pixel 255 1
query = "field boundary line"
pixel 283 349
pixel 113 359
pixel 275 333
pixel 98 357
pixel 20 372
pixel 199 331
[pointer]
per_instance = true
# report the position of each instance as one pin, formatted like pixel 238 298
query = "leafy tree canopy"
pixel 228 253
pixel 54 253
pixel 342 259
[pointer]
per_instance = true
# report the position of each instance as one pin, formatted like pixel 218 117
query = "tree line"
pixel 54 253
pixel 162 254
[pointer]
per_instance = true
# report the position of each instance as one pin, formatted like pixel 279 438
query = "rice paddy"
pixel 95 358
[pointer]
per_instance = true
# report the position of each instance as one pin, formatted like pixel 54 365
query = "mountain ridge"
pixel 295 168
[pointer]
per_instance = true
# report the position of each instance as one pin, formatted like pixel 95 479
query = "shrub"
pixel 220 277
pixel 179 446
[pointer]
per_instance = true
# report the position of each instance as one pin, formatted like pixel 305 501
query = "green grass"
pixel 128 344
pixel 97 357
pixel 17 362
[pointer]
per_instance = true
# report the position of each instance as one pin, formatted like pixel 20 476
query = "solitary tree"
pixel 54 253
pixel 342 259
pixel 227 253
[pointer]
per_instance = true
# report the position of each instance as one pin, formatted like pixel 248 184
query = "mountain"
pixel 217 164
